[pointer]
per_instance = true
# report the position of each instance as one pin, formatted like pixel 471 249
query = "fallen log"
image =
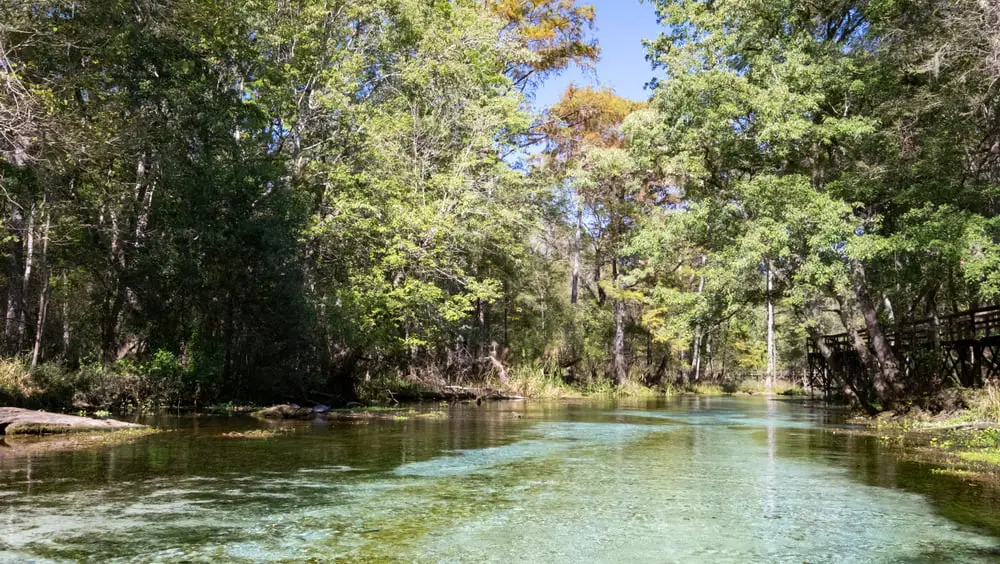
pixel 477 394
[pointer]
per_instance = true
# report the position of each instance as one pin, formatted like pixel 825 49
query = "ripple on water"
pixel 552 438
pixel 735 484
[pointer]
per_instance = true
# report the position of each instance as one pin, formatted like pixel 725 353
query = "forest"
pixel 270 200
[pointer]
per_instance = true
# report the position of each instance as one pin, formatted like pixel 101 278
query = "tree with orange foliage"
pixel 587 147
pixel 553 31
pixel 585 117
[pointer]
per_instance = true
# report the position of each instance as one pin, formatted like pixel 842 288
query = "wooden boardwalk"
pixel 962 349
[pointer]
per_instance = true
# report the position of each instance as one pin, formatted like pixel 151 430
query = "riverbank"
pixel 295 412
pixel 126 388
pixel 964 441
pixel 531 383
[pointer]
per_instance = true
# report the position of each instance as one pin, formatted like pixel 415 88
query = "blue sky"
pixel 621 27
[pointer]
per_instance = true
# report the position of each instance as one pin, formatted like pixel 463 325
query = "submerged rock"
pixel 15 421
pixel 284 411
pixel 13 446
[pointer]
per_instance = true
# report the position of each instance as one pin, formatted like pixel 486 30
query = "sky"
pixel 621 27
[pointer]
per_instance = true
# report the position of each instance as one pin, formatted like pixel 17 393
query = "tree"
pixel 587 152
pixel 551 33
pixel 778 104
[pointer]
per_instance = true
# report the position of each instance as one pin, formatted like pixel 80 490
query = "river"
pixel 681 480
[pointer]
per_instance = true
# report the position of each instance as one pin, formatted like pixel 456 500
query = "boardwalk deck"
pixel 962 348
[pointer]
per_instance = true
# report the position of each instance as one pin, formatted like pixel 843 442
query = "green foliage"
pixel 277 192
pixel 211 201
pixel 808 142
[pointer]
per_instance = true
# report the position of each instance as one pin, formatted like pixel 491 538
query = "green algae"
pixel 78 439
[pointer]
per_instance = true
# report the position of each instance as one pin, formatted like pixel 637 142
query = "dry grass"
pixel 15 382
pixel 746 387
pixel 985 404
pixel 533 382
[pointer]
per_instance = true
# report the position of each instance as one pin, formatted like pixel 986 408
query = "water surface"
pixel 687 480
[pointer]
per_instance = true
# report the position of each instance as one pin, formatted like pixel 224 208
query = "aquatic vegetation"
pixel 991 457
pixel 958 473
pixel 572 482
pixel 978 445
pixel 256 433
pixel 32 444
pixel 956 444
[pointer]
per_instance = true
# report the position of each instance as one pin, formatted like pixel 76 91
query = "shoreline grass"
pixel 743 388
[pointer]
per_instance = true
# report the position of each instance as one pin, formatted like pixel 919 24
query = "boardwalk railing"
pixel 963 346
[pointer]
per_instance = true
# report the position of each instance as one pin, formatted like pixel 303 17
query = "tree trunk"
pixel 29 259
pixel 574 292
pixel 506 315
pixel 698 337
pixel 43 307
pixel 43 300
pixel 711 357
pixel 66 336
pixel 602 296
pixel 128 226
pixel 886 376
pixel 621 373
pixel 15 295
pixel 618 307
pixel 772 360
pixel 696 355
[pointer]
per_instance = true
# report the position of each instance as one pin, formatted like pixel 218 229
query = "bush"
pixel 124 386
pixel 15 385
pixel 48 386
pixel 382 389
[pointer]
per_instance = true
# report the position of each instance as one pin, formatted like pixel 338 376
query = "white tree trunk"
pixel 43 300
pixel 29 255
pixel 698 337
pixel 575 284
pixel 771 352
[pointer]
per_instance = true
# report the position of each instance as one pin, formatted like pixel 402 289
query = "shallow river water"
pixel 685 480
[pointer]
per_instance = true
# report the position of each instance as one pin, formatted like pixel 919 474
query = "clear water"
pixel 689 480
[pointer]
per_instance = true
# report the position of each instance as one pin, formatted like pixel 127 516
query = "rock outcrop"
pixel 15 421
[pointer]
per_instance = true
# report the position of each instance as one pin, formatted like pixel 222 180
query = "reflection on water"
pixel 688 480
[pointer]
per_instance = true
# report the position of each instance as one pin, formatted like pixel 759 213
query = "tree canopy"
pixel 283 199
